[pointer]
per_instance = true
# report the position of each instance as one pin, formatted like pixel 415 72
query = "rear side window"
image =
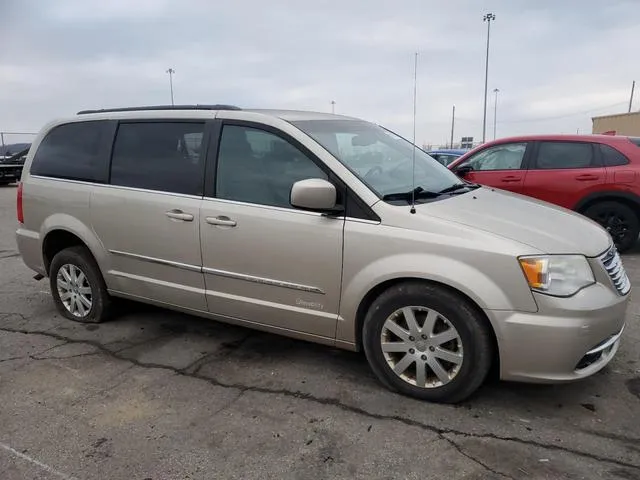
pixel 75 151
pixel 635 140
pixel 564 155
pixel 164 156
pixel 612 157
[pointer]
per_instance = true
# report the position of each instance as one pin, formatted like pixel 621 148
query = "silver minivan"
pixel 323 228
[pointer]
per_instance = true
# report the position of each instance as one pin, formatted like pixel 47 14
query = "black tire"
pixel 101 304
pixel 470 325
pixel 620 221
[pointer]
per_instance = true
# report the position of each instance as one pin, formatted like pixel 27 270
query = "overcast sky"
pixel 556 62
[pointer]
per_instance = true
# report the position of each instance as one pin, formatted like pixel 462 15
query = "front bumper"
pixel 567 339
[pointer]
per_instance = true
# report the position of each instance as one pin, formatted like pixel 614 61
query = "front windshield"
pixel 380 158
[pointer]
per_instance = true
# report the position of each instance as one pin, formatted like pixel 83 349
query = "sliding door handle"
pixel 221 221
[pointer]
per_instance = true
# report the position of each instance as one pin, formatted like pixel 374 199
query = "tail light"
pixel 19 204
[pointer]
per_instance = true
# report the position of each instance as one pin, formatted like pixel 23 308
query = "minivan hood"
pixel 543 226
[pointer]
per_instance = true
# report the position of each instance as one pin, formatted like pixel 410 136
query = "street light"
pixel 333 106
pixel 171 71
pixel 495 112
pixel 489 17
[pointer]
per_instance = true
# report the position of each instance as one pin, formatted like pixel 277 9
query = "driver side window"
pixel 500 157
pixel 256 166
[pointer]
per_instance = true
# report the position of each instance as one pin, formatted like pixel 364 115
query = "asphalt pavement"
pixel 156 395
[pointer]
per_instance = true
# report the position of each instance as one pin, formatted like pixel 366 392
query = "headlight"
pixel 558 275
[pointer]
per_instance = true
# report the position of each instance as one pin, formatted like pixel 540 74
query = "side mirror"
pixel 463 170
pixel 314 194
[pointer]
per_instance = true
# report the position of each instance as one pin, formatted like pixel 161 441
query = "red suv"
pixel 596 175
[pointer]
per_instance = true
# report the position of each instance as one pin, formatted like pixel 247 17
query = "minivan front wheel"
pixel 427 342
pixel 77 286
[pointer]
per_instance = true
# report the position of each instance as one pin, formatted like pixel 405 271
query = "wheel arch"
pixel 629 199
pixel 63 231
pixel 374 292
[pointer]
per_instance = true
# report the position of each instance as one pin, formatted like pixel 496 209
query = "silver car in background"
pixel 315 226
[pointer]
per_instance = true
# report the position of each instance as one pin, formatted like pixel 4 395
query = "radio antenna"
pixel 413 159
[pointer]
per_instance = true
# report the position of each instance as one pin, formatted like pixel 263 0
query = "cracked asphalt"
pixel 157 395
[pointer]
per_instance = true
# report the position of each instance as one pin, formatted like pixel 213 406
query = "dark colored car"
pixel 446 156
pixel 11 167
pixel 596 175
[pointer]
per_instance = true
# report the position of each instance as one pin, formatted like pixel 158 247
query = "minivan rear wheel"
pixel 428 342
pixel 619 220
pixel 77 286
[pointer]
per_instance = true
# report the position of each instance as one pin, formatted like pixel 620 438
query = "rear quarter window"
pixel 635 140
pixel 75 151
pixel 612 157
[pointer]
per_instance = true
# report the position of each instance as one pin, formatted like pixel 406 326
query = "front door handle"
pixel 586 177
pixel 221 220
pixel 176 214
pixel 511 178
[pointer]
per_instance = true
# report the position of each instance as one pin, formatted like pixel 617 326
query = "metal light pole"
pixel 633 87
pixel 171 71
pixel 333 106
pixel 453 123
pixel 495 112
pixel 489 17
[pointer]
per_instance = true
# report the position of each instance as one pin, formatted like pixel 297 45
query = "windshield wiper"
pixel 416 193
pixel 459 186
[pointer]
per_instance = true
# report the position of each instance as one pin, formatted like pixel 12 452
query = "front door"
pixel 148 218
pixel 263 260
pixel 500 166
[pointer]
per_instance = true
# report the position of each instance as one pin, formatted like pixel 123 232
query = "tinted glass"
pixel 256 166
pixel 161 156
pixel 564 155
pixel 76 151
pixel 500 157
pixel 612 157
pixel 635 140
pixel 380 158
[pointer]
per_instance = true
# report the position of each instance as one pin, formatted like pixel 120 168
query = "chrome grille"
pixel 612 263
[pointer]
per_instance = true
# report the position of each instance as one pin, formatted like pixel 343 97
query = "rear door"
pixel 500 166
pixel 564 172
pixel 148 217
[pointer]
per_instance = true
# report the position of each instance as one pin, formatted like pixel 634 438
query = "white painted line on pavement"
pixel 43 466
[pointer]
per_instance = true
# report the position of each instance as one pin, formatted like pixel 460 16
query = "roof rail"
pixel 161 107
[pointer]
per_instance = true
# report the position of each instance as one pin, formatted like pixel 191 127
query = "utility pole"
pixel 489 17
pixel 633 87
pixel 495 112
pixel 171 71
pixel 333 106
pixel 2 137
pixel 453 122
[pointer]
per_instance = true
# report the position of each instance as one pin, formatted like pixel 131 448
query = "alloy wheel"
pixel 74 290
pixel 421 347
pixel 615 224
